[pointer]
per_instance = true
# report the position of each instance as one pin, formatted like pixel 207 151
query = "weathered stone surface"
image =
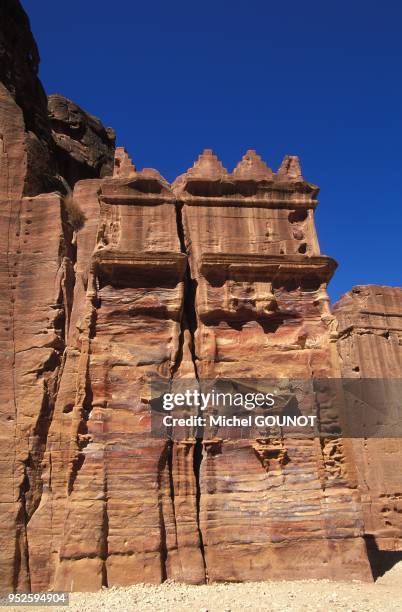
pixel 261 310
pixel 370 346
pixel 60 138
pixel 84 148
pixel 19 62
pixel 127 311
pixel 217 275
pixel 37 280
pixel 118 506
pixel 35 263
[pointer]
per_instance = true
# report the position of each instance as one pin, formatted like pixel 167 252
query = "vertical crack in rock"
pixel 197 460
pixel 83 401
pixel 83 406
pixel 169 461
pixel 105 531
pixel 21 557
pixel 189 322
pixel 21 543
pixel 163 460
pixel 84 394
pixel 188 317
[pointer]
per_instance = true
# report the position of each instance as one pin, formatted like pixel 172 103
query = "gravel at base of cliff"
pixel 304 595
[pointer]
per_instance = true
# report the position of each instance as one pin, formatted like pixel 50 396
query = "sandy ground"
pixel 308 595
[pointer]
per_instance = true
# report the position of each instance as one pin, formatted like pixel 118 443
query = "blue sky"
pixel 318 79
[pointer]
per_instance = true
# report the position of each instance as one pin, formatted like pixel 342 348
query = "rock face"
pixel 217 275
pixel 260 309
pixel 370 346
pixel 192 280
pixel 35 265
pixel 19 63
pixel 61 139
pixel 37 281
pixel 84 148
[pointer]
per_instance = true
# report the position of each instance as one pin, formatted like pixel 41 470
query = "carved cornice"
pixel 246 192
pixel 142 188
pixel 170 265
pixel 267 267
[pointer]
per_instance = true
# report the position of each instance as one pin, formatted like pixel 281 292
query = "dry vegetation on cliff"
pixel 75 216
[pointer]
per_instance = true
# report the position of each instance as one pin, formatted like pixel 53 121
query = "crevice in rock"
pixel 189 315
pixel 68 260
pixel 171 481
pixel 189 322
pixel 180 226
pixel 21 555
pixel 84 397
pixel 163 546
pixel 197 460
pixel 165 468
pixel 83 437
pixel 33 464
pixel 186 279
pixel 105 532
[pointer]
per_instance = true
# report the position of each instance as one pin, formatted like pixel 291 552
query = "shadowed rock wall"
pixel 83 147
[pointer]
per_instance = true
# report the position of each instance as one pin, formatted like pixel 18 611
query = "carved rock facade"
pixel 216 275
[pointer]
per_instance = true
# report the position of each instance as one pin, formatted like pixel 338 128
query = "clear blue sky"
pixel 314 78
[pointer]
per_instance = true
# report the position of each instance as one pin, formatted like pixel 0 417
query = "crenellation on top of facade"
pixel 123 165
pixel 252 167
pixel 290 170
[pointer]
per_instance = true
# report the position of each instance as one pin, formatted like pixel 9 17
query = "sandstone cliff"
pixel 83 147
pixel 36 277
pixel 370 346
pixel 217 275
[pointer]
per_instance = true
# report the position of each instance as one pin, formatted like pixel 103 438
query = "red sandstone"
pixel 217 275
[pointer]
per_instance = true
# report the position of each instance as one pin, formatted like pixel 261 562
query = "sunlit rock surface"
pixel 216 275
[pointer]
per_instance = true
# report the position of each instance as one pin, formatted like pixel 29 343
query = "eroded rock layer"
pixel 83 147
pixel 127 278
pixel 261 311
pixel 370 346
pixel 205 279
pixel 37 279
